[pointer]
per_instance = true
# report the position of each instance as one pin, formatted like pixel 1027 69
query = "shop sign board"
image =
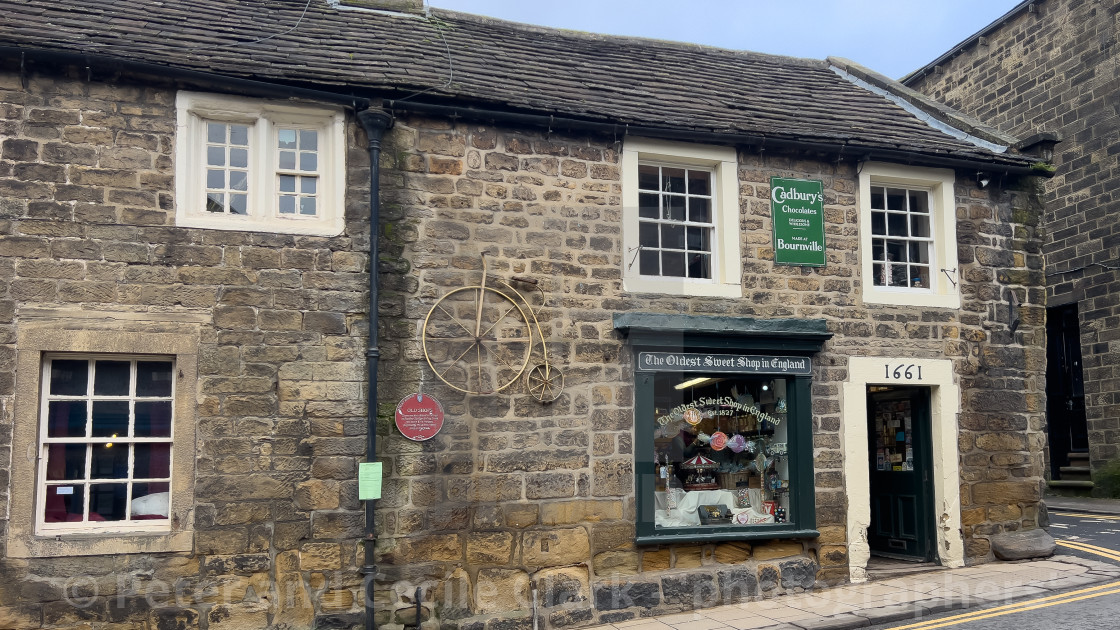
pixel 722 363
pixel 419 417
pixel 797 208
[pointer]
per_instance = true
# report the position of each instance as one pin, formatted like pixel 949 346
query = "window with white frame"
pixel 245 164
pixel 105 442
pixel 908 235
pixel 680 219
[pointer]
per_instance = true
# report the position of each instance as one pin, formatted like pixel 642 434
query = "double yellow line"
pixel 1100 517
pixel 1042 602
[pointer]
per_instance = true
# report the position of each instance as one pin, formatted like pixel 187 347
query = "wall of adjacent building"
pixel 1054 69
pixel 511 492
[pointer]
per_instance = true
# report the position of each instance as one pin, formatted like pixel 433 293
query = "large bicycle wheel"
pixel 477 340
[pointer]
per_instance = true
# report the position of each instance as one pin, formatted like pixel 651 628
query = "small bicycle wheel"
pixel 477 340
pixel 545 382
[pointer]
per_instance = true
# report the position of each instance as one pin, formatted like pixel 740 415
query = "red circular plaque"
pixel 419 417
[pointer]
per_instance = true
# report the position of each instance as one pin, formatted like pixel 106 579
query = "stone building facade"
pixel 224 349
pixel 1050 68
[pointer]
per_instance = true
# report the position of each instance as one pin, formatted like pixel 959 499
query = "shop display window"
pixel 729 454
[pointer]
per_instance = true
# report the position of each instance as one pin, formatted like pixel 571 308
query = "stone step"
pixel 1078 457
pixel 1070 488
pixel 1061 483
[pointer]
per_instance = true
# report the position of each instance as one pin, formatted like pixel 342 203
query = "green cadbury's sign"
pixel 797 206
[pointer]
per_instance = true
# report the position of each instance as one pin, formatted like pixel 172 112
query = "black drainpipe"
pixel 375 122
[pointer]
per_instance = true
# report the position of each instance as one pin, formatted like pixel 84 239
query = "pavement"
pixel 908 597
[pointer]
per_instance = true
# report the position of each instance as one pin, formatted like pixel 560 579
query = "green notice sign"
pixel 797 206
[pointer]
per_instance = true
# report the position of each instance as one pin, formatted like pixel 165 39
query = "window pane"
pixel 674 207
pixel 153 418
pixel 107 501
pixel 896 199
pixel 69 377
pixel 215 179
pixel 648 207
pixel 919 201
pixel 647 177
pixel 239 204
pixel 287 160
pixel 287 183
pixel 287 204
pixel 877 246
pixel 238 180
pixel 878 272
pixel 699 266
pixel 215 156
pixel 153 378
pixel 110 378
pixel 698 239
pixel 307 206
pixel 308 139
pixel 649 264
pixel 239 135
pixel 152 461
pixel 308 161
pixel 672 264
pixel 64 504
pixel 66 418
pixel 110 418
pixel 878 223
pixel 672 236
pixel 896 225
pixel 287 138
pixel 307 185
pixel 109 461
pixel 216 132
pixel 746 471
pixel 648 234
pixel 150 500
pixel 215 202
pixel 919 225
pixel 699 210
pixel 672 180
pixel 66 461
pixel 239 158
pixel 919 277
pixel 699 183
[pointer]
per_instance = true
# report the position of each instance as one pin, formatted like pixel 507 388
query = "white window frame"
pixel 43 486
pixel 26 536
pixel 726 264
pixel 264 119
pixel 943 230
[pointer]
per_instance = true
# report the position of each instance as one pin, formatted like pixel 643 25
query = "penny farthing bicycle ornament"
pixel 480 339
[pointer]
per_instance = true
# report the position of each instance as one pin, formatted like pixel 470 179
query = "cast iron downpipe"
pixel 375 122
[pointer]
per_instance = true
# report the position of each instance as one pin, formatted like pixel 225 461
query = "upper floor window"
pixel 680 219
pixel 908 236
pixel 256 165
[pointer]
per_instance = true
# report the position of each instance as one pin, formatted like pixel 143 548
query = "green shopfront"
pixel 723 426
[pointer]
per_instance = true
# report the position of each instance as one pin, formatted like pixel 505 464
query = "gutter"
pixel 619 130
pixel 375 123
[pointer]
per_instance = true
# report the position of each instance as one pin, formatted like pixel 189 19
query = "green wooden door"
pixel 901 473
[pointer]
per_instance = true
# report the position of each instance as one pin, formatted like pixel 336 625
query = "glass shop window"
pixel 721 451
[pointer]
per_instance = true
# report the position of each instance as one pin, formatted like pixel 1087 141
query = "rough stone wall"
pixel 1056 70
pixel 465 514
pixel 511 493
pixel 86 229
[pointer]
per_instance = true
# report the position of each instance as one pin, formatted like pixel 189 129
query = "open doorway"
pixel 900 446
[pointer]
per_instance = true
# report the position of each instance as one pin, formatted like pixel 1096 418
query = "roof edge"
pixel 1026 5
pixel 965 127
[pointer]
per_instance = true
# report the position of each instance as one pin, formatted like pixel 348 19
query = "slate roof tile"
pixel 495 64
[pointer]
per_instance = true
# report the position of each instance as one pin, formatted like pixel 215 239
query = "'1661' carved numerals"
pixel 903 372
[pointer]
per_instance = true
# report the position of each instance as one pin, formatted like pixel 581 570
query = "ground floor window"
pixel 728 452
pixel 105 441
